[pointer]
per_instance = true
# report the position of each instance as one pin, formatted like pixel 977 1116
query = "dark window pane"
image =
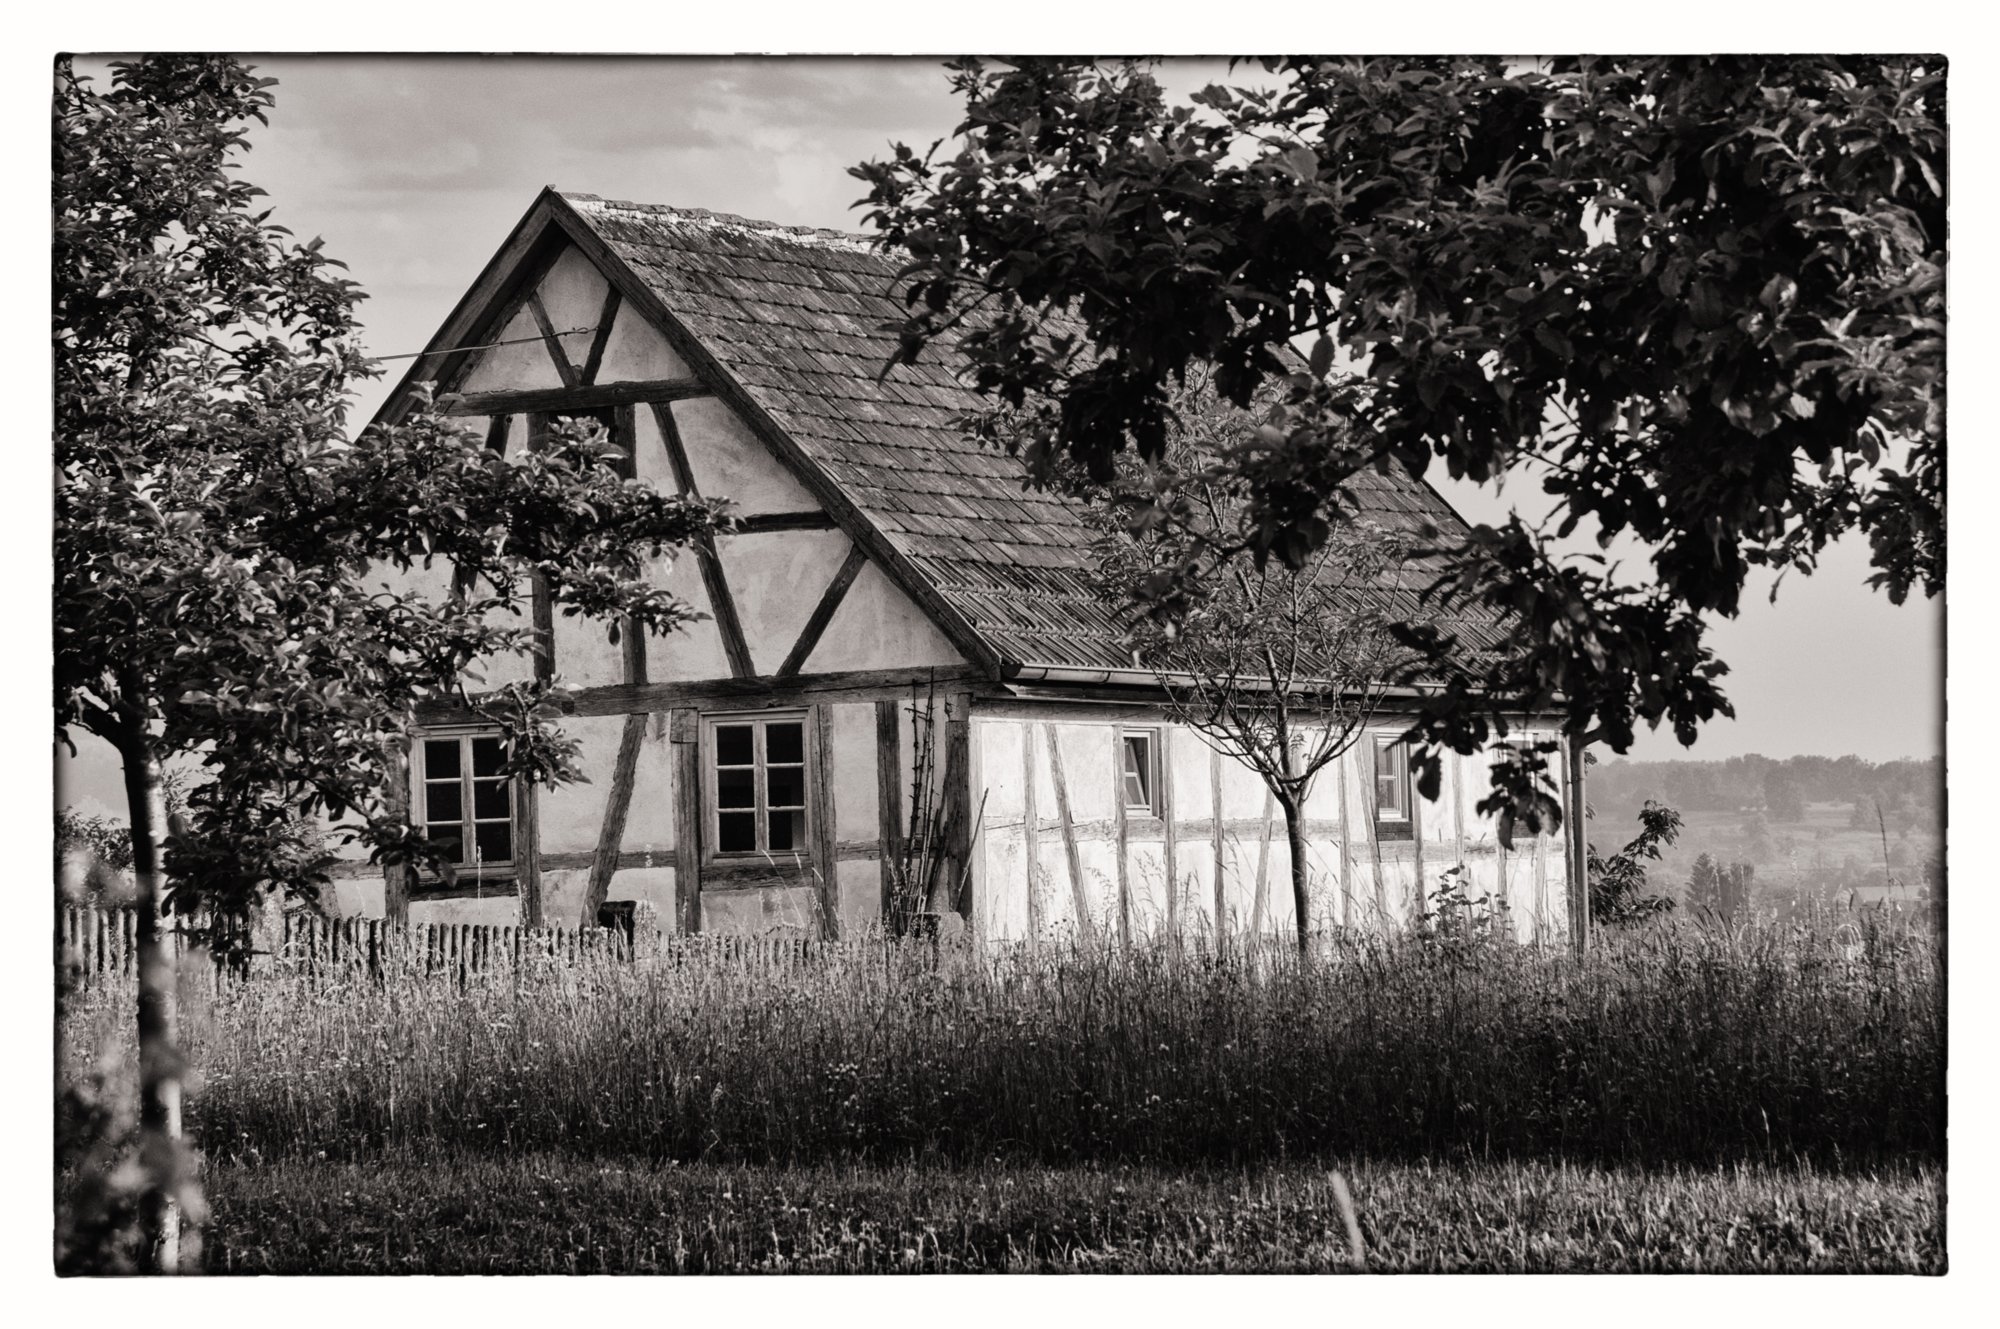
pixel 496 842
pixel 441 759
pixel 489 800
pixel 442 804
pixel 785 786
pixel 788 830
pixel 737 833
pixel 732 745
pixel 449 839
pixel 489 756
pixel 785 742
pixel 736 789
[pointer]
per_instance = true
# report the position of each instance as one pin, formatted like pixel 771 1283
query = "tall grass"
pixel 1678 1044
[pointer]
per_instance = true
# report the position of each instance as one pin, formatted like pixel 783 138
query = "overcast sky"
pixel 413 169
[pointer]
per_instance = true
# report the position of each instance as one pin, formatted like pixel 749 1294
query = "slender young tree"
pixel 1278 668
pixel 229 565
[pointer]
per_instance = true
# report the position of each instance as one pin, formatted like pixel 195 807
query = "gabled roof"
pixel 796 318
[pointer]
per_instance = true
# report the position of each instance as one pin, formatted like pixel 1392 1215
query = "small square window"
pixel 464 801
pixel 755 786
pixel 1139 769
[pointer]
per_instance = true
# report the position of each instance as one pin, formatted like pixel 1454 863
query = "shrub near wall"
pixel 1676 1044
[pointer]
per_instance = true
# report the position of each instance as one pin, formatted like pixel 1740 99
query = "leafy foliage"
pixel 104 840
pixel 232 572
pixel 1703 297
pixel 1618 883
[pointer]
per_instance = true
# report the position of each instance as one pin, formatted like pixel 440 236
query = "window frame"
pixel 1404 817
pixel 711 809
pixel 1153 736
pixel 505 870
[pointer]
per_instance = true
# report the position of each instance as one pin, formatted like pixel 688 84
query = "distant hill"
pixel 1808 826
pixel 1778 788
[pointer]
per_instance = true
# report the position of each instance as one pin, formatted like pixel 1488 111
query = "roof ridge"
pixel 817 235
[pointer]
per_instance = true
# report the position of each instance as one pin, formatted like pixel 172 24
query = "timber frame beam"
pixel 578 397
pixel 645 698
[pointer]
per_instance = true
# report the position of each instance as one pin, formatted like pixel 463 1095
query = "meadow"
pixel 1768 1095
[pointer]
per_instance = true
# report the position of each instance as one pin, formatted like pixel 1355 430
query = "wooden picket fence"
pixel 100 947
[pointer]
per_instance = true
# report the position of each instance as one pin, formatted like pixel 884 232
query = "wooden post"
pixel 1031 833
pixel 1121 836
pixel 888 797
pixel 685 733
pixel 1166 779
pixel 825 846
pixel 958 802
pixel 1085 924
pixel 1215 843
pixel 1346 850
pixel 396 876
pixel 1578 857
pixel 1365 770
pixel 1258 901
pixel 1457 764
pixel 528 855
pixel 617 804
pixel 1416 802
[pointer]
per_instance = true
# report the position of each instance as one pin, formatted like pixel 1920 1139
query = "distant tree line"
pixel 1907 790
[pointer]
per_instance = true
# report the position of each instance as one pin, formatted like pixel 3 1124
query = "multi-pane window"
pixel 757 768
pixel 465 799
pixel 1392 780
pixel 1138 755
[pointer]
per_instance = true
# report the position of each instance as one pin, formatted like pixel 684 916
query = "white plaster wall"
pixel 573 814
pixel 523 363
pixel 585 655
pixel 573 296
pixel 1187 765
pixel 859 883
pixel 776 579
pixel 563 892
pixel 791 910
pixel 572 293
pixel 856 798
pixel 1000 897
pixel 693 650
pixel 878 627
pixel 1357 884
pixel 362 898
pixel 649 820
pixel 636 351
pixel 729 461
pixel 503 910
pixel 653 885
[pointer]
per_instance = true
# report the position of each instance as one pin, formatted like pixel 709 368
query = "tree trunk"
pixel 1295 837
pixel 396 876
pixel 159 1057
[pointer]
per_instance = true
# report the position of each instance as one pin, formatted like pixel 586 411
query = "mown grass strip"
pixel 553 1214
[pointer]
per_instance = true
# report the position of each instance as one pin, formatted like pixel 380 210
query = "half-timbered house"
pixel 756 771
